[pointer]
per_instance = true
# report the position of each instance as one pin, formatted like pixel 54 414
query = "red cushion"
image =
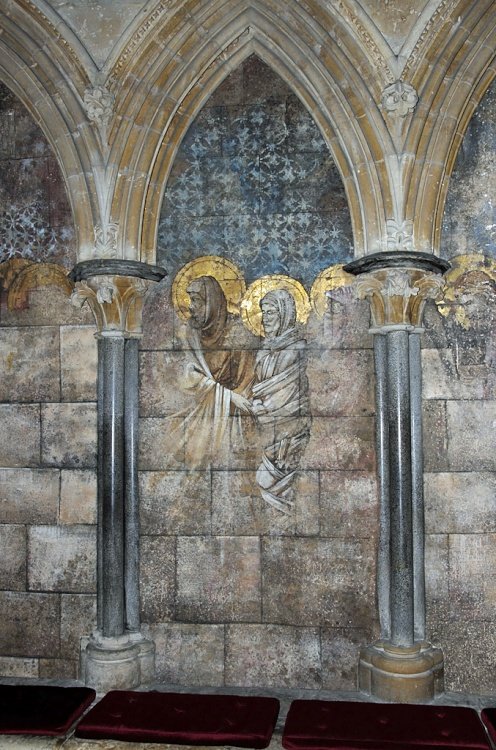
pixel 182 718
pixel 41 709
pixel 326 725
pixel 488 716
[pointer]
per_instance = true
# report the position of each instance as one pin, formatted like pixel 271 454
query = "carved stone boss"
pixel 402 665
pixel 117 655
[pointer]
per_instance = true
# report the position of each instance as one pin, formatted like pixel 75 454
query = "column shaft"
pixel 400 488
pixel 111 479
pixel 131 502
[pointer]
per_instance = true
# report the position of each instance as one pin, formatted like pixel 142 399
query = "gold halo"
pixel 251 313
pixel 327 280
pixel 462 265
pixel 227 274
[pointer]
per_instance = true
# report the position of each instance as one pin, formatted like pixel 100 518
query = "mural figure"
pixel 280 399
pixel 218 376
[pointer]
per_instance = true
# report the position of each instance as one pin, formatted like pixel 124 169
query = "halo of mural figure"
pixel 218 373
pixel 331 283
pixel 251 312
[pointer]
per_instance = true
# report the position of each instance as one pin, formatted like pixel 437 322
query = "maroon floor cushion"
pixel 42 709
pixel 339 725
pixel 488 716
pixel 182 718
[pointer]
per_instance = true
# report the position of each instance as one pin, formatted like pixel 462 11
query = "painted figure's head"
pixel 208 304
pixel 278 312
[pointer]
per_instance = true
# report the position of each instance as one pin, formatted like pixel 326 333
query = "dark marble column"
pixel 117 656
pixel 402 666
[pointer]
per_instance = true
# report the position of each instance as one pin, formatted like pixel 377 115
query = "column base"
pixel 121 663
pixel 401 674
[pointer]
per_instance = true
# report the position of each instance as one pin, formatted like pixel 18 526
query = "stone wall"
pixel 232 591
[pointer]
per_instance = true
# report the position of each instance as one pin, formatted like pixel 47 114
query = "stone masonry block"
pixel 161 374
pixel 58 669
pixel 437 576
pixel 21 422
pixel 344 443
pixel 158 314
pixel 467 643
pixel 472 575
pixel 78 363
pixel 218 579
pixel 30 624
pixel 62 558
pixel 188 654
pixel 273 656
pixel 340 651
pixel 29 496
pixel 77 619
pixel 78 490
pixel 349 504
pixel 471 435
pixel 48 306
pixel 160 444
pixel 175 502
pixel 69 435
pixel 157 577
pixel 435 436
pixel 321 582
pixel 460 502
pixel 29 363
pixel 341 382
pixel 441 380
pixel 13 557
pixel 12 666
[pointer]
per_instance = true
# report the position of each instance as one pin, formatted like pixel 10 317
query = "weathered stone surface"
pixel 349 504
pixel 158 317
pixel 435 436
pixel 471 435
pixel 62 558
pixel 344 443
pixel 21 422
pixel 441 379
pixel 12 666
pixel 48 306
pixel 58 669
pixel 437 577
pixel 466 643
pixel 78 363
pixel 175 502
pixel 273 656
pixel 346 327
pixel 160 444
pixel 188 654
pixel 341 382
pixel 161 374
pixel 78 489
pixel 29 362
pixel 472 575
pixel 13 557
pixel 340 651
pixel 77 620
pixel 218 579
pixel 157 577
pixel 30 624
pixel 460 502
pixel 29 495
pixel 69 435
pixel 325 582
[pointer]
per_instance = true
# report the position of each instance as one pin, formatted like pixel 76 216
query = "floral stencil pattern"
pixel 254 180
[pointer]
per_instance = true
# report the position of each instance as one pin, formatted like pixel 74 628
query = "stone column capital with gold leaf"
pixel 398 284
pixel 115 291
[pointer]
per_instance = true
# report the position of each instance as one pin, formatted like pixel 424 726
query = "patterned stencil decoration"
pixel 255 182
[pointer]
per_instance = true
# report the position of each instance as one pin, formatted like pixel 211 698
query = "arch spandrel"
pixel 327 81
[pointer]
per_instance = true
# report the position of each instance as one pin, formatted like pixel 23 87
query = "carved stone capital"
pixel 398 286
pixel 115 291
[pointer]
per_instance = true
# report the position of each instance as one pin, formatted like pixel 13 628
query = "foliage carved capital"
pixel 115 301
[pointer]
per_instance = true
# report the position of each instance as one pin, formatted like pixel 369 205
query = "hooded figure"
pixel 218 376
pixel 280 399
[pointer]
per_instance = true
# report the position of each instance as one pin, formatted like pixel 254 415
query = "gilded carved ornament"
pixel 115 301
pixel 19 276
pixel 399 235
pixel 106 240
pixel 98 103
